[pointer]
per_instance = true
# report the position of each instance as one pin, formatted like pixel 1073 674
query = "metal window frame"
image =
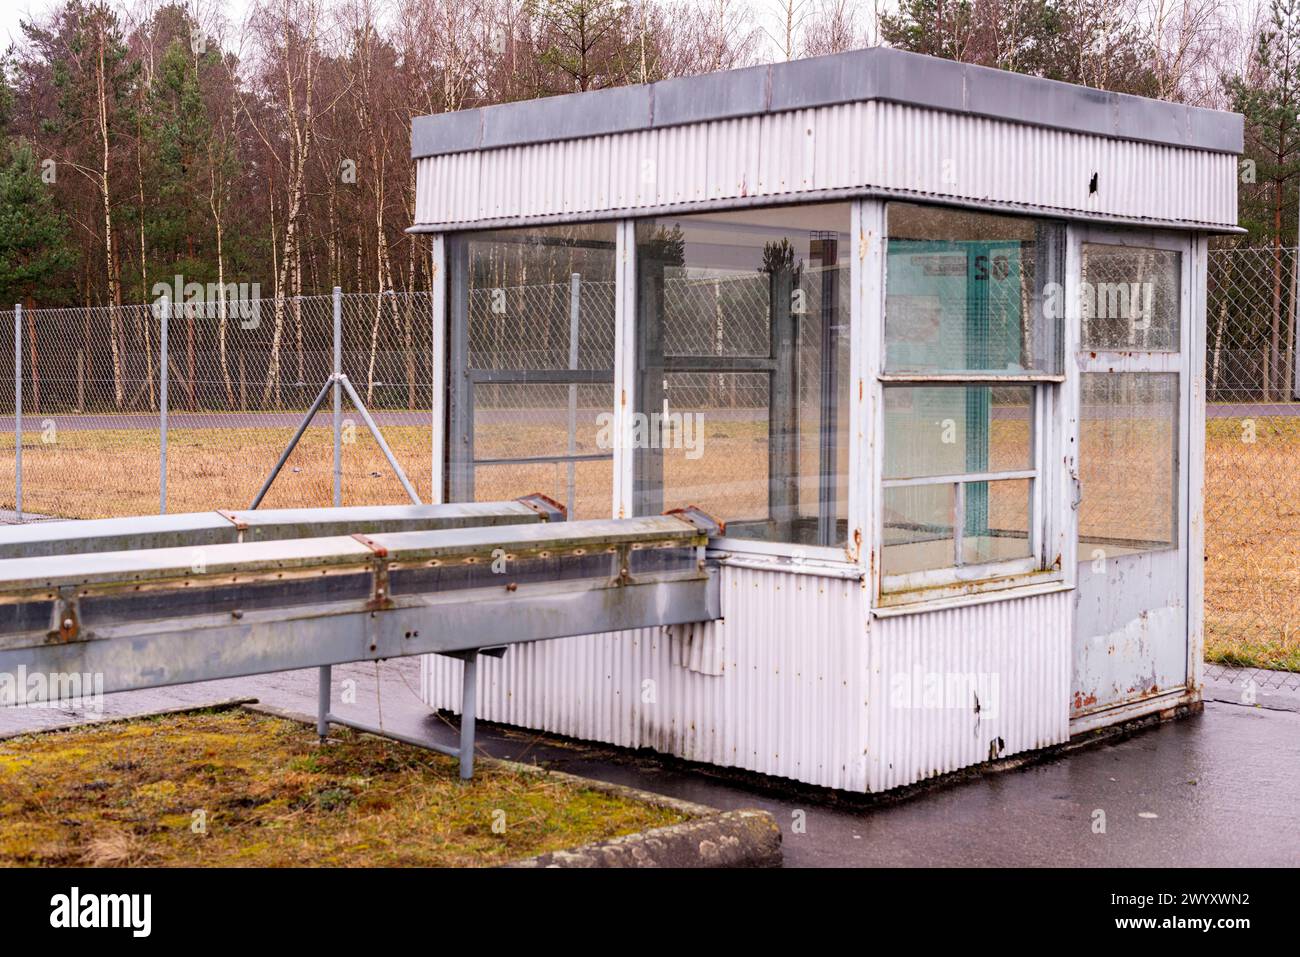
pixel 1055 429
pixel 454 460
pixel 836 559
pixel 438 369
pixel 1152 361
pixel 950 586
pixel 961 571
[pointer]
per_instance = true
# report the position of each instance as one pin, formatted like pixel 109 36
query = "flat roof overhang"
pixel 871 123
pixel 879 73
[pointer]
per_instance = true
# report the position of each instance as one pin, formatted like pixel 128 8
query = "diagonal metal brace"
pixel 293 443
pixel 379 438
pixel 338 378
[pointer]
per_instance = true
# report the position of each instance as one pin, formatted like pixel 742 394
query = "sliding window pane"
pixel 955 429
pixel 529 420
pixel 743 325
pixel 971 292
pixel 918 531
pixel 532 365
pixel 528 288
pixel 997 521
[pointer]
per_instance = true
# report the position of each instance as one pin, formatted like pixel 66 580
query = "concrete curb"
pixel 746 838
pixel 686 808
pixel 96 721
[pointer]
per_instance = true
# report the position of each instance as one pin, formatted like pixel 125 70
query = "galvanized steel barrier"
pixel 196 597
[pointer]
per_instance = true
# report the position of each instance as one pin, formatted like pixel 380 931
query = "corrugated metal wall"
pixel 845 147
pixel 778 687
pixel 794 684
pixel 949 689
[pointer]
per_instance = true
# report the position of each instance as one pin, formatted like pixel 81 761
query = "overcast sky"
pixel 13 11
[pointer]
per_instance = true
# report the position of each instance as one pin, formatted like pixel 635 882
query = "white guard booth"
pixel 927 337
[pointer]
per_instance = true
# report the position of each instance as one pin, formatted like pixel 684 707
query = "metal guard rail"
pixel 199 611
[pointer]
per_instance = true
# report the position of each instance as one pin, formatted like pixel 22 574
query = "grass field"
pixel 233 788
pixel 1252 565
pixel 1252 543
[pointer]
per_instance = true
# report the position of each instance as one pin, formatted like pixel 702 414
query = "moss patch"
pixel 231 788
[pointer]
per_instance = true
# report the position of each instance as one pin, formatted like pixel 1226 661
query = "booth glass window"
pixel 743 370
pixel 971 292
pixel 531 327
pixel 974 306
pixel 1130 298
pixel 1128 444
pixel 957 490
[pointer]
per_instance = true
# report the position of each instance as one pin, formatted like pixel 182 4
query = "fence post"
pixel 575 311
pixel 18 410
pixel 1293 341
pixel 162 407
pixel 338 397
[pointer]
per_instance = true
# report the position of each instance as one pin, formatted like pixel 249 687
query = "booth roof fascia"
pixel 879 74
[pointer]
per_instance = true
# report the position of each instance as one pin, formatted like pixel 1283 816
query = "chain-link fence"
pixel 1252 489
pixel 240 376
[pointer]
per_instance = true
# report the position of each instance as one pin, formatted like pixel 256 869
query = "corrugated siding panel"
pixel 788 701
pixel 1014 654
pixel 849 146
pixel 793 684
pixel 732 147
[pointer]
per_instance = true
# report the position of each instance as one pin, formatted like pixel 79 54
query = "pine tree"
pixel 34 250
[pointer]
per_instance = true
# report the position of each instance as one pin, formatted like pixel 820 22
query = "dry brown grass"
pixel 1252 543
pixel 267 794
pixel 110 472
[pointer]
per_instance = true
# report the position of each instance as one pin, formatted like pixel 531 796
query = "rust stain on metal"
pixel 379 550
pixel 695 516
pixel 68 627
pixel 233 518
pixel 544 505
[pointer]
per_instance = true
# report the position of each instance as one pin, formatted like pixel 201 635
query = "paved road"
pixel 1216 790
pixel 74 421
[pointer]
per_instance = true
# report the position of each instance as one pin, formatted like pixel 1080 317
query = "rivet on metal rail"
pixel 65 623
pixel 380 592
pixel 545 506
pixel 233 519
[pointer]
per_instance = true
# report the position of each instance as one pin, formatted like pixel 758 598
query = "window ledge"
pixel 1012 593
pixel 775 562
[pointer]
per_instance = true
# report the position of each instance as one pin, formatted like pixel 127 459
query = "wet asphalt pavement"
pixel 1219 789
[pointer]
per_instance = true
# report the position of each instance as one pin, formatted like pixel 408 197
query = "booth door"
pixel 1133 378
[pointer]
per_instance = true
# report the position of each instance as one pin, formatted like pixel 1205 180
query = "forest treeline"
pixel 147 140
pixel 144 140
